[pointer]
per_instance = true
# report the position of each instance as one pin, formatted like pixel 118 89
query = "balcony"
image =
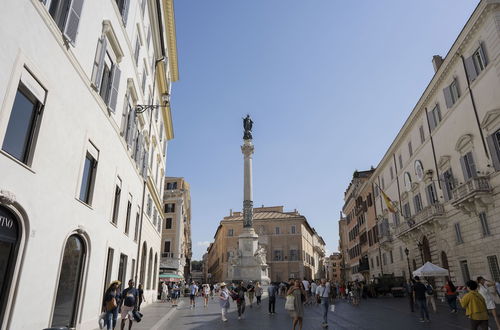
pixel 473 195
pixel 424 217
pixel 172 260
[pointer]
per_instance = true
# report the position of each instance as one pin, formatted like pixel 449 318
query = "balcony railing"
pixel 428 213
pixel 470 188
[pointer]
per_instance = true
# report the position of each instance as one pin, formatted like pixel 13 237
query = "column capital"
pixel 247 148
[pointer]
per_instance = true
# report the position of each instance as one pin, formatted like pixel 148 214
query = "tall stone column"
pixel 247 149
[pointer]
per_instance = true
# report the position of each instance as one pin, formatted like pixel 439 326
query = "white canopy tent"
pixel 429 269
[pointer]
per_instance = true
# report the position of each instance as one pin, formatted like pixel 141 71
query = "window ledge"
pixel 114 224
pixel 83 203
pixel 17 161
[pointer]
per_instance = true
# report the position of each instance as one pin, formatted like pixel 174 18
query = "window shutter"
pixel 482 51
pixel 126 110
pixel 126 4
pixel 145 165
pixel 130 127
pixel 472 166
pixel 464 168
pixel 444 187
pixel 432 122
pixel 470 68
pixel 447 97
pixel 73 20
pixel 97 70
pixel 458 87
pixel 113 95
pixel 494 152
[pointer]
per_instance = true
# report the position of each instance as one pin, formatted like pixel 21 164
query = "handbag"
pixel 111 304
pixel 101 321
pixel 290 303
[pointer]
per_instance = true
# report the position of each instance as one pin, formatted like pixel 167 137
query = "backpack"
pixel 429 290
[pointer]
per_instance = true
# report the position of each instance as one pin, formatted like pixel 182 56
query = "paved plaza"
pixel 381 313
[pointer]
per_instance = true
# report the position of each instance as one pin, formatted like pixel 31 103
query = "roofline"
pixel 168 5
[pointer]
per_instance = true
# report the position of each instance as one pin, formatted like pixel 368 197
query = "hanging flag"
pixel 388 202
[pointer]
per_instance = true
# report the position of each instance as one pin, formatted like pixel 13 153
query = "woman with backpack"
pixel 451 295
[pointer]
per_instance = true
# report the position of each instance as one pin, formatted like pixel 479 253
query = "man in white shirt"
pixel 323 293
pixel 314 285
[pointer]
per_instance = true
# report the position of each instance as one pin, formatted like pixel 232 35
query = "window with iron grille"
pixel 495 272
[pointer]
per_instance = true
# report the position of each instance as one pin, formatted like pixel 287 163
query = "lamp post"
pixel 407 252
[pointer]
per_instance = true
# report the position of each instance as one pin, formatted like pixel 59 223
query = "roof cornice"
pixel 168 6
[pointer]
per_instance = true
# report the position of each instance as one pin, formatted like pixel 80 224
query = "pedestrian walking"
pixel 129 302
pixel 251 292
pixel 140 290
pixel 429 296
pixel 409 292
pixel 240 299
pixel 299 295
pixel 475 307
pixel 110 304
pixel 206 294
pixel 193 292
pixel 271 291
pixel 323 294
pixel 313 299
pixel 307 288
pixel 419 290
pixel 164 292
pixel 488 297
pixel 258 292
pixel 451 295
pixel 224 301
pixel 176 292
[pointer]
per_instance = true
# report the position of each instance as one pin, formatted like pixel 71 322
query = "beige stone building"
pixel 176 233
pixel 294 248
pixel 442 170
pixel 333 264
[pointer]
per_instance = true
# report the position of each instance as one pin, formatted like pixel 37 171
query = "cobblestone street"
pixel 381 313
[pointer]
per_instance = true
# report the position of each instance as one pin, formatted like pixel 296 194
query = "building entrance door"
pixel 9 243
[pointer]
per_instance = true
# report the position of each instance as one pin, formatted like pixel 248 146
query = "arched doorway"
pixel 444 260
pixel 144 255
pixel 10 235
pixel 150 266
pixel 70 283
pixel 426 250
pixel 155 272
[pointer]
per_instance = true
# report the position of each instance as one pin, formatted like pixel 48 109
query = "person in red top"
pixel 451 295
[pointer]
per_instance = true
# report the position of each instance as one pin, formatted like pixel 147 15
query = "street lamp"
pixel 407 252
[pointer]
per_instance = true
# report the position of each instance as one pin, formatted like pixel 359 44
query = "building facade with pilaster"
pixel 82 153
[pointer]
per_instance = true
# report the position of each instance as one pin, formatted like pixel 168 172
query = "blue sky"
pixel 327 83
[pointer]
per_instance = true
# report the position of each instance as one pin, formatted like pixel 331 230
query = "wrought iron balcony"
pixel 426 215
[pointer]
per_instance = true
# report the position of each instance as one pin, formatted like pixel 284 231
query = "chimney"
pixel 230 212
pixel 437 60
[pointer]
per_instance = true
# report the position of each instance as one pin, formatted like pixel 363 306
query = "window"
pixel 294 255
pixel 70 283
pixel 400 253
pixel 123 8
pixel 171 185
pixel 465 270
pixel 132 268
pixel 122 268
pixel 384 259
pixel 136 230
pixel 422 134
pixel 451 93
pixel 431 194
pixel 391 257
pixel 293 229
pixel 475 64
pixel 400 158
pixel 378 261
pixel 406 210
pixel 468 166
pixel 149 206
pixel 168 223
pixel 391 173
pixel 485 229
pixel 278 255
pixel 230 232
pixel 24 121
pixel 277 230
pixel 417 201
pixel 458 234
pixel 410 148
pixel 127 217
pixel 169 208
pixel 106 74
pixel 494 147
pixel 395 218
pixel 495 272
pixel 88 179
pixel 382 182
pixel 434 117
pixel 116 203
pixel 166 246
pixel 143 82
pixel 448 184
pixel 66 14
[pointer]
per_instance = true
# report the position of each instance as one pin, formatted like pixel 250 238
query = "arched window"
pixel 444 260
pixel 143 264
pixel 426 250
pixel 155 272
pixel 9 247
pixel 70 283
pixel 150 266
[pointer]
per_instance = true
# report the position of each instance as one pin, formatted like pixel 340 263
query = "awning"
pixel 171 277
pixel 429 269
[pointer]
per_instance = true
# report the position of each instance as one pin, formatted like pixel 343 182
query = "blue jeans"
pixel 424 311
pixel 325 304
pixel 110 319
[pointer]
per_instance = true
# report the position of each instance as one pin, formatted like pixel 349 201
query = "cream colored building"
pixel 294 248
pixel 333 267
pixel 176 233
pixel 443 168
pixel 81 167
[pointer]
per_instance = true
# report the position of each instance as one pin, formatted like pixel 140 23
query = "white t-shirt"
pixel 313 287
pixel 490 302
pixel 306 285
pixel 323 291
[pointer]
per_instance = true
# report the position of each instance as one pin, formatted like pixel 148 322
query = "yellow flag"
pixel 388 202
